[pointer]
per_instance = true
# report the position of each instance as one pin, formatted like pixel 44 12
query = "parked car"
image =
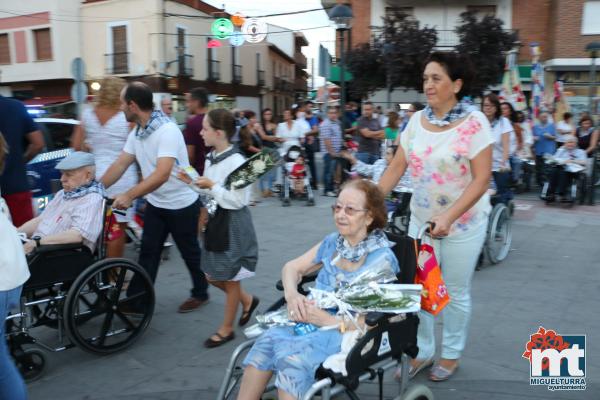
pixel 44 179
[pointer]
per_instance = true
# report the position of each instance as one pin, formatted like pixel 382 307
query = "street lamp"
pixel 341 16
pixel 593 48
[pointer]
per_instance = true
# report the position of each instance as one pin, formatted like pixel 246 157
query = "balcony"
pixel 300 60
pixel 300 85
pixel 214 70
pixel 116 63
pixel 237 74
pixel 448 39
pixel 260 78
pixel 185 63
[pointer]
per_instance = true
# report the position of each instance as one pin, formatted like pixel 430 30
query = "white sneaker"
pixel 330 194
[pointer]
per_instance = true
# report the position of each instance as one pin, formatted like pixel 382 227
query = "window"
pixel 43 44
pixel 482 11
pixel 389 11
pixel 590 24
pixel 119 51
pixel 4 49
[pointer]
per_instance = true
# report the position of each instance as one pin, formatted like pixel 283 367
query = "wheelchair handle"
pixel 109 202
pixel 425 229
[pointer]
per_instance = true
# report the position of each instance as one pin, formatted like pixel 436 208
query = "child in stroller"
pixel 296 177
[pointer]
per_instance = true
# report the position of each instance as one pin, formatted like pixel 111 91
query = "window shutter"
pixel 4 49
pixel 43 45
pixel 120 64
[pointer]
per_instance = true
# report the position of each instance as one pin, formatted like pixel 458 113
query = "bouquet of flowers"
pixel 370 291
pixel 254 168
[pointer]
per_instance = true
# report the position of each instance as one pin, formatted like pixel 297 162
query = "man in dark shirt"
pixel 18 128
pixel 370 136
pixel 197 104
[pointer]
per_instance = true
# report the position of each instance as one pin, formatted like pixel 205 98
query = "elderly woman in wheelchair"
pixel 293 357
pixel 567 164
pixel 75 214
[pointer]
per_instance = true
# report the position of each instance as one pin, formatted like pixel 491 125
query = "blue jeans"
pixel 11 383
pixel 329 164
pixel 182 224
pixel 267 180
pixel 502 180
pixel 367 158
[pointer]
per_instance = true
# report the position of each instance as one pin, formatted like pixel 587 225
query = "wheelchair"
pixel 399 211
pixel 498 238
pixel 388 342
pixel 81 295
pixel 578 188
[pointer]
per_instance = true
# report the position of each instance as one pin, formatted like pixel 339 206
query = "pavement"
pixel 551 278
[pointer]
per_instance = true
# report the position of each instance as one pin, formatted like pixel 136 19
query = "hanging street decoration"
pixel 237 39
pixel 255 30
pixel 238 19
pixel 213 43
pixel 222 28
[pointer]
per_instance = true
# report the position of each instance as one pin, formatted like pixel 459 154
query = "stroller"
pixel 390 341
pixel 296 181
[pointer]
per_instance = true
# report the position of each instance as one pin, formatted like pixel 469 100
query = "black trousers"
pixel 182 224
pixel 560 181
pixel 309 150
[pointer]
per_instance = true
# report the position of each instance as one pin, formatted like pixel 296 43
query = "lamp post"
pixel 341 16
pixel 592 48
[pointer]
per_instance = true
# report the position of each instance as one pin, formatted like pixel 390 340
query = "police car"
pixel 44 179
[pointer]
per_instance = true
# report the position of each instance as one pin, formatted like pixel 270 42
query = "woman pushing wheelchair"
pixel 293 355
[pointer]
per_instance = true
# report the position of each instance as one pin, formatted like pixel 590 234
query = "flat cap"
pixel 76 160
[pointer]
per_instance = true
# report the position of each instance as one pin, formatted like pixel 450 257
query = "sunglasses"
pixel 348 210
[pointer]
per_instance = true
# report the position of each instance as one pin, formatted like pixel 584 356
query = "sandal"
pixel 440 374
pixel 414 370
pixel 211 343
pixel 247 314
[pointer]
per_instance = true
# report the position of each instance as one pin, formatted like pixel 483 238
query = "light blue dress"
pixel 294 359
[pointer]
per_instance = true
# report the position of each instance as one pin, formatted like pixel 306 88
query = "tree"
pixel 397 54
pixel 485 42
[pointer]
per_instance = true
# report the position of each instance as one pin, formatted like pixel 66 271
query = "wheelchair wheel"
pixel 99 315
pixel 499 236
pixel 31 364
pixel 416 392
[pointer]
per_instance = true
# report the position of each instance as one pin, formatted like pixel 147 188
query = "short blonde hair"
pixel 110 92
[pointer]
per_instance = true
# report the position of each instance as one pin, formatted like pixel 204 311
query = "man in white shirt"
pixel 172 207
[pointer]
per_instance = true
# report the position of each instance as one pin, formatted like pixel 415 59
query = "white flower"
pixel 239 183
pixel 259 166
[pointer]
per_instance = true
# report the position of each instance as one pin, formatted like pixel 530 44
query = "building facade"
pixel 562 28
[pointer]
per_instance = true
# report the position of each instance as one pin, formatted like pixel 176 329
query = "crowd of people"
pixel 448 151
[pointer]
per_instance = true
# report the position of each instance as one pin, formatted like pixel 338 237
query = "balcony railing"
pixel 117 63
pixel 237 73
pixel 260 75
pixel 449 38
pixel 300 60
pixel 214 70
pixel 185 64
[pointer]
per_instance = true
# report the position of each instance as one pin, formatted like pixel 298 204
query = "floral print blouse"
pixel 439 163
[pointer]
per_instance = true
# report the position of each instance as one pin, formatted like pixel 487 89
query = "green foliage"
pixel 486 43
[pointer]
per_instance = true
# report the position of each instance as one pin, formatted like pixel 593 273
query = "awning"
pixel 47 100
pixel 334 74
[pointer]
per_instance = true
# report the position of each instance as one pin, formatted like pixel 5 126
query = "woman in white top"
pixel 290 131
pixel 103 131
pixel 564 128
pixel 13 274
pixel 447 146
pixel 502 132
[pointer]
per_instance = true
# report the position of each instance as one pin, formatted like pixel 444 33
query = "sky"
pixel 324 36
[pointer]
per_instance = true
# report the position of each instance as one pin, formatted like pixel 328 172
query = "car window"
pixel 59 135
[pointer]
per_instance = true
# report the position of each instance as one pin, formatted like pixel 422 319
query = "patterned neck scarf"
pixel 92 187
pixel 157 119
pixel 460 110
pixel 375 240
pixel 215 159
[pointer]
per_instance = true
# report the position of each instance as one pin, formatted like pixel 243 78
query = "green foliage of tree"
pixel 485 42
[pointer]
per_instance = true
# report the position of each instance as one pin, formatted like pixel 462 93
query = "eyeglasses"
pixel 348 210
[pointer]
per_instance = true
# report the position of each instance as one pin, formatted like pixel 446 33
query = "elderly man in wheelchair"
pixel 565 166
pixel 293 354
pixel 75 213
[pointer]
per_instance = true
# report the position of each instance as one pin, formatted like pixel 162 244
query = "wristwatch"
pixel 36 239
